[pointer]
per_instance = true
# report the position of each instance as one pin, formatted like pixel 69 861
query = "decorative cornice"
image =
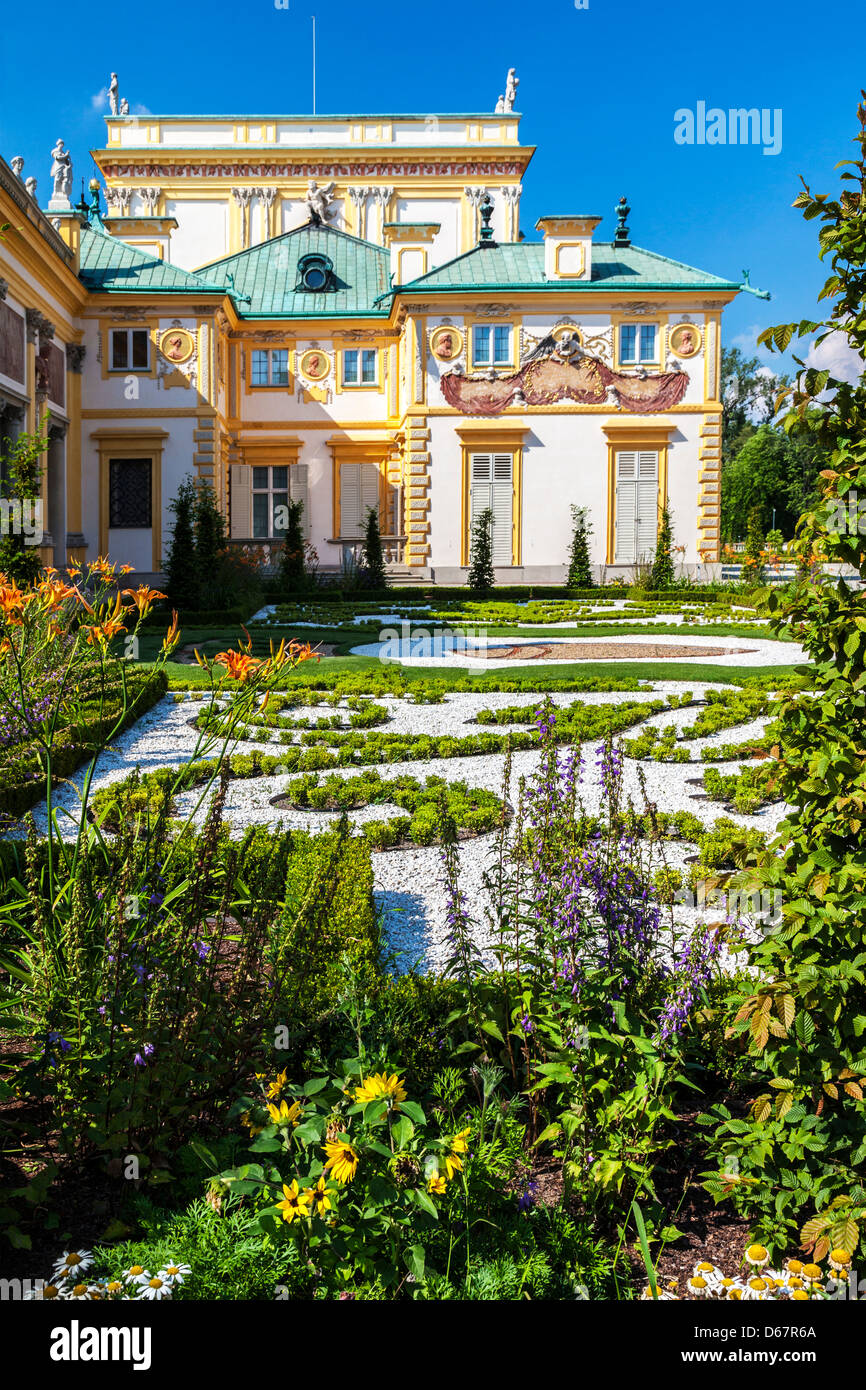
pixel 300 168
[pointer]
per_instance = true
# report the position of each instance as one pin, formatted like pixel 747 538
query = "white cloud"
pixel 835 356
pixel 747 342
pixel 99 99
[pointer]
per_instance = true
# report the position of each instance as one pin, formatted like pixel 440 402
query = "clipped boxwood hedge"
pixel 22 772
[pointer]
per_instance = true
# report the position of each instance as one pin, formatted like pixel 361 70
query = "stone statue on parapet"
pixel 511 84
pixel 112 94
pixel 61 172
pixel 318 201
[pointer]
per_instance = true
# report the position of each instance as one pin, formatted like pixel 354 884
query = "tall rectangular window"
pixel 130 349
pixel 273 487
pixel 637 504
pixel 270 367
pixel 637 343
pixel 491 487
pixel 359 367
pixel 130 486
pixel 491 345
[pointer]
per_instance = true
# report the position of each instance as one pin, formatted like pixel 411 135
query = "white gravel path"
pixel 408 888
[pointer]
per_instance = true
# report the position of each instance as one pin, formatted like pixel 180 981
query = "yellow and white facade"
pixel 343 311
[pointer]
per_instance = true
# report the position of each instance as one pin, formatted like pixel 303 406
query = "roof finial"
pixel 622 210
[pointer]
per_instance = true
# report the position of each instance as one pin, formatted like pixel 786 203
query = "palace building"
pixel 344 310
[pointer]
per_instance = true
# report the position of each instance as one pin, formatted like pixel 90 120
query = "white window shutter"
pixel 350 500
pixel 636 518
pixel 647 504
pixel 240 501
pixel 359 491
pixel 299 492
pixel 369 491
pixel 503 508
pixel 492 489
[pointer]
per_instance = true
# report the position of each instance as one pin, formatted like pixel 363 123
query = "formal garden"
pixel 371 943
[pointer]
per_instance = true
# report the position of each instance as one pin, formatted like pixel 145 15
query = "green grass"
pixel 192 677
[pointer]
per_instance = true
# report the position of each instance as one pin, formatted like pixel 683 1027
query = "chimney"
pixel 410 246
pixel 567 246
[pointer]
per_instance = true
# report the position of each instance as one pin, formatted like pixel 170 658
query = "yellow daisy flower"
pixel 342 1160
pixel 295 1202
pixel 285 1114
pixel 437 1185
pixel 756 1255
pixel 275 1088
pixel 319 1197
pixel 381 1087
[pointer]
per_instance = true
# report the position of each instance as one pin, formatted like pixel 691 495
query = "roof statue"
pixel 61 172
pixel 511 84
pixel 30 185
pixel 112 94
pixel 500 105
pixel 318 201
pixel 17 164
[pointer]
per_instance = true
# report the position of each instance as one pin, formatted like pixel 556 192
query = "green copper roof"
pixel 110 264
pixel 520 265
pixel 268 274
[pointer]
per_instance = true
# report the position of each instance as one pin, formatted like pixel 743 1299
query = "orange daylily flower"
pixel 239 665
pixel 101 567
pixel 13 601
pixel 54 593
pixel 143 598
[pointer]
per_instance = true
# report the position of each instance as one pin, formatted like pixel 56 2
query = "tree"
pixel 773 472
pixel 753 561
pixel 748 395
pixel 181 566
pixel 20 490
pixel 210 530
pixel 662 573
pixel 805 1023
pixel 293 569
pixel 372 558
pixel 481 577
pixel 579 567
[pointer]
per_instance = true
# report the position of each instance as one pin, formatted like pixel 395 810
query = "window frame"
pixel 270 492
pixel 638 360
pixel 128 331
pixel 270 384
pixel 143 458
pixel 360 385
pixel 493 361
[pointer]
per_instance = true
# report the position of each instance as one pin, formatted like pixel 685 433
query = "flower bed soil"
pixel 606 651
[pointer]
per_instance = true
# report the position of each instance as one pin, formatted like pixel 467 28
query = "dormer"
pixel 567 246
pixel 409 244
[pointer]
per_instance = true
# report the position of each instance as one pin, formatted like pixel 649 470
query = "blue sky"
pixel 598 91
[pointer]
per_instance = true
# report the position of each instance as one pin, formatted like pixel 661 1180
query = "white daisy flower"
pixel 175 1273
pixel 77 1293
pixel 72 1263
pixel 135 1274
pixel 757 1256
pixel 154 1288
